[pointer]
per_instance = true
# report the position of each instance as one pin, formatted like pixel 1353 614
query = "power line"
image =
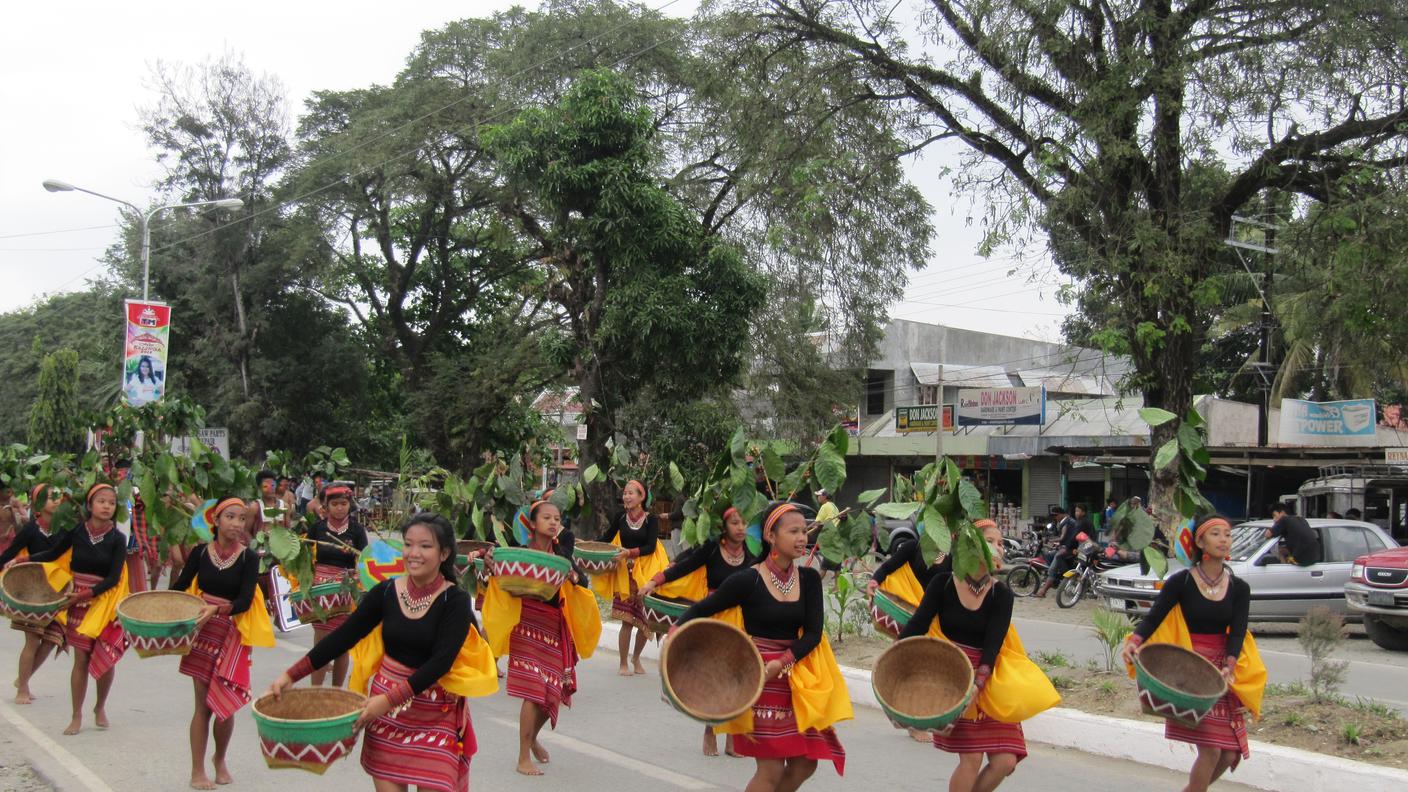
pixel 58 231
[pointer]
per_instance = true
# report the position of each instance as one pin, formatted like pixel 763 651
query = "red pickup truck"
pixel 1378 589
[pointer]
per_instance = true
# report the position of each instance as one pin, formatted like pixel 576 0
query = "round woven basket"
pixel 28 597
pixel 923 682
pixel 1176 683
pixel 462 549
pixel 331 598
pixel 160 622
pixel 889 613
pixel 711 671
pixel 596 558
pixel 529 573
pixel 307 728
pixel 662 613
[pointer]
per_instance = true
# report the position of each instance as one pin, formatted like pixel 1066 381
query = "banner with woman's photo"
pixel 144 354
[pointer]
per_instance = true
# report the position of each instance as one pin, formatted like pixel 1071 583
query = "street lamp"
pixel 230 204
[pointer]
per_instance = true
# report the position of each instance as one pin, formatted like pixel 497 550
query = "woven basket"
pixel 662 613
pixel 462 549
pixel 27 596
pixel 922 682
pixel 307 728
pixel 529 573
pixel 596 558
pixel 711 671
pixel 331 599
pixel 1176 683
pixel 160 622
pixel 889 613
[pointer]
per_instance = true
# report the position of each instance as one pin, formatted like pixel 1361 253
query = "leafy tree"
pixel 1130 133
pixel 647 298
pixel 54 424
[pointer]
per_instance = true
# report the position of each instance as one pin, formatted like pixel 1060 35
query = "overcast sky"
pixel 72 75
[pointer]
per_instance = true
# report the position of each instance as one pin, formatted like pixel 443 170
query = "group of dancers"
pixel 415 646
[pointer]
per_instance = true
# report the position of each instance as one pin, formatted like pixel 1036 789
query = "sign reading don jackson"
pixel 1002 406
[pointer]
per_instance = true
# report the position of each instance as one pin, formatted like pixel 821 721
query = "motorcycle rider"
pixel 1065 555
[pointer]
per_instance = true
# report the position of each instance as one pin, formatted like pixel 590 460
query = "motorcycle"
pixel 1080 580
pixel 1024 578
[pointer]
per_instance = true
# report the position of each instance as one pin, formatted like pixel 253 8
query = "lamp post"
pixel 145 218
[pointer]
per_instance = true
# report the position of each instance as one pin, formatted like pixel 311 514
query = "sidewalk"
pixel 1272 767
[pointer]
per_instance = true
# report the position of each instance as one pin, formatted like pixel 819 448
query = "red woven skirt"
pixel 542 660
pixel 630 610
pixel 219 659
pixel 53 632
pixel 775 734
pixel 111 642
pixel 1224 727
pixel 326 573
pixel 982 735
pixel 427 744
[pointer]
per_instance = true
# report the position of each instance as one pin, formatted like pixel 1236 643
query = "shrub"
pixel 1320 634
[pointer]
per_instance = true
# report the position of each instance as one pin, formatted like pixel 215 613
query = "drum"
pixel 462 549
pixel 27 596
pixel 923 683
pixel 1176 683
pixel 711 671
pixel 529 573
pixel 662 613
pixel 322 602
pixel 160 622
pixel 307 728
pixel 596 558
pixel 890 613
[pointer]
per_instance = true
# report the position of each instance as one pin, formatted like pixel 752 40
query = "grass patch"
pixel 1062 682
pixel 1296 688
pixel 1375 708
pixel 1052 659
pixel 1108 687
pixel 1351 733
pixel 1294 719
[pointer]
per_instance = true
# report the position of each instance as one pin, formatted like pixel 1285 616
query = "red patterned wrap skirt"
pixel 53 632
pixel 221 660
pixel 775 734
pixel 630 610
pixel 982 735
pixel 327 573
pixel 542 660
pixel 111 643
pixel 427 743
pixel 1225 726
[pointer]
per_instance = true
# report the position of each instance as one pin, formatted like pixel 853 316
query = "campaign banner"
pixel 144 353
pixel 922 418
pixel 1351 422
pixel 216 438
pixel 1002 406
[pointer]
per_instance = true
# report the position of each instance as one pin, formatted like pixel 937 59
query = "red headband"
pixel 643 491
pixel 222 506
pixel 730 512
pixel 1209 524
pixel 984 523
pixel 338 491
pixel 35 492
pixel 777 515
pixel 95 489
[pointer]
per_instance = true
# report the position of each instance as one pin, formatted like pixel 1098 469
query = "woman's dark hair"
pixel 262 475
pixel 444 536
pixel 1196 553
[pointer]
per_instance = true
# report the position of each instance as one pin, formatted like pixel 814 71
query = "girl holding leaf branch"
pixel 642 557
pixel 339 538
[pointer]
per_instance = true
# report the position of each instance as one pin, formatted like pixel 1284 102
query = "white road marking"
pixel 55 751
pixel 675 780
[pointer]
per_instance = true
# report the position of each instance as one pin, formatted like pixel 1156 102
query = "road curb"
pixel 1272 767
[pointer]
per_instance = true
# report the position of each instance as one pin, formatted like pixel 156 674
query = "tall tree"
pixel 1130 132
pixel 54 424
pixel 648 299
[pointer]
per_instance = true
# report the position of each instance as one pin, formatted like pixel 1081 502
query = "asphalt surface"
pixel 618 735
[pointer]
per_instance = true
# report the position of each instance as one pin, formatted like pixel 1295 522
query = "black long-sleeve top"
pixel 1227 615
pixel 104 558
pixel 983 629
pixel 331 553
pixel 30 539
pixel 428 644
pixel 642 539
pixel 765 616
pixel 235 584
pixel 908 552
pixel 710 556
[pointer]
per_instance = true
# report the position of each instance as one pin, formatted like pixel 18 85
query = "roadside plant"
pixel 847 606
pixel 1320 633
pixel 1111 629
pixel 1351 733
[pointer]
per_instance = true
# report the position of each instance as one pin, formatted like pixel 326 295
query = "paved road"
pixel 595 748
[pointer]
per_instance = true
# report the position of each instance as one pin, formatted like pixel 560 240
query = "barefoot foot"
pixel 624 671
pixel 526 767
pixel 74 726
pixel 24 697
pixel 640 669
pixel 201 781
pixel 920 736
pixel 100 718
pixel 711 748
pixel 540 753
pixel 222 773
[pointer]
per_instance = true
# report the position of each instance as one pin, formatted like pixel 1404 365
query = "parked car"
pixel 1378 591
pixel 1280 592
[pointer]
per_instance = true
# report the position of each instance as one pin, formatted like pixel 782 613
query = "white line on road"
pixel 611 757
pixel 55 751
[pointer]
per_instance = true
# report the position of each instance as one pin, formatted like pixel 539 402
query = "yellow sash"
pixel 502 612
pixel 101 610
pixel 254 625
pixel 694 586
pixel 1248 677
pixel 618 583
pixel 903 584
pixel 819 695
pixel 1017 689
pixel 732 616
pixel 473 673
